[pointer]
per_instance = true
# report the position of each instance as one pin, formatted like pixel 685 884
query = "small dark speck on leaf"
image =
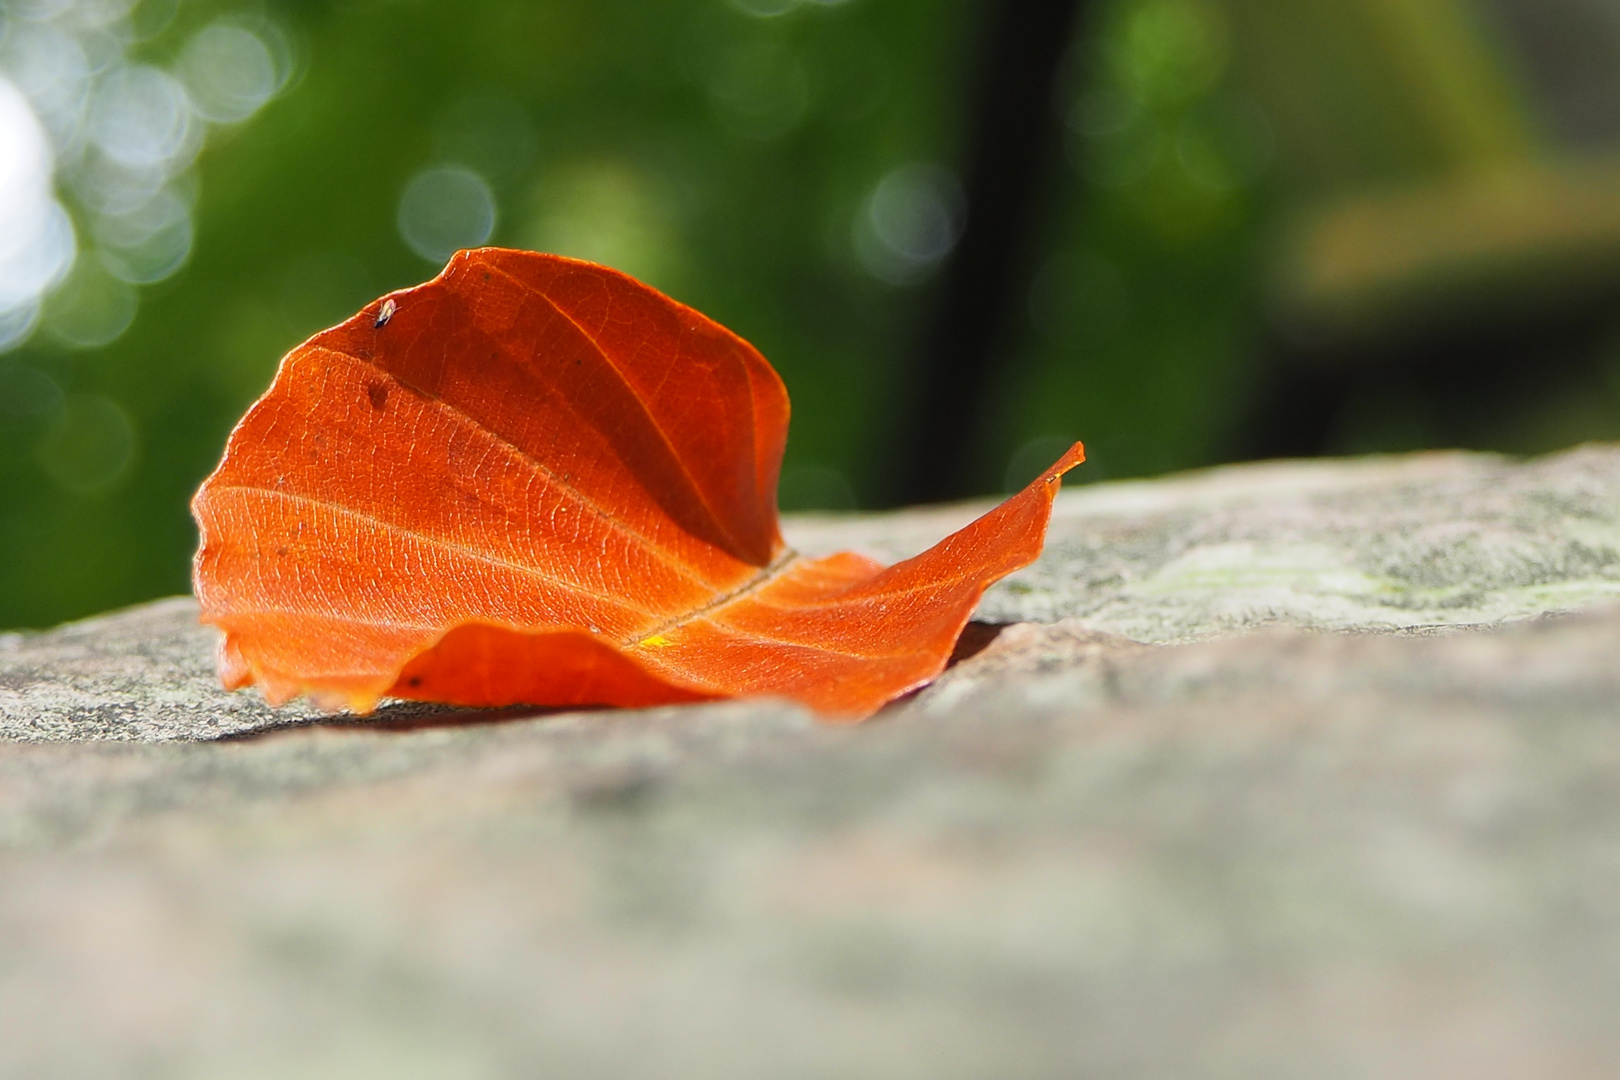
pixel 378 393
pixel 414 680
pixel 281 551
pixel 385 313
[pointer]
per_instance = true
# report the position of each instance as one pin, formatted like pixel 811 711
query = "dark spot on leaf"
pixel 414 681
pixel 378 393
pixel 281 551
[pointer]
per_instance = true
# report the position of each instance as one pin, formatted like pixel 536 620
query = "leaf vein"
pixel 664 555
pixel 703 501
pixel 447 545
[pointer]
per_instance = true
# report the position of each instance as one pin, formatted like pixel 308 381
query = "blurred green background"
pixel 1257 227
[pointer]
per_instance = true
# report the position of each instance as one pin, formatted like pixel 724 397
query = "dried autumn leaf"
pixel 537 481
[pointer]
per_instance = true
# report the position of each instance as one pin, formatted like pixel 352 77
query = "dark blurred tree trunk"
pixel 1013 148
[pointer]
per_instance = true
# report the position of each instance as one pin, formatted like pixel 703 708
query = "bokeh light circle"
pixel 51 70
pixel 911 221
pixel 147 243
pixel 89 444
pixel 25 391
pixel 444 209
pixel 228 73
pixel 91 308
pixel 140 116
pixel 84 128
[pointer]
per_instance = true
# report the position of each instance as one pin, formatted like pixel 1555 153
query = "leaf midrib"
pixel 624 380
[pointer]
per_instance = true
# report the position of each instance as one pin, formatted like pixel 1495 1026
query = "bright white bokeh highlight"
pixel 36 237
pixel 443 209
pixel 51 69
pixel 86 128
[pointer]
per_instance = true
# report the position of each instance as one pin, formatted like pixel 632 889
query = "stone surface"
pixel 1398 543
pixel 1380 837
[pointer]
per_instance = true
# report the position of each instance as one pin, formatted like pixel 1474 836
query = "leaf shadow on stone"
pixel 400 717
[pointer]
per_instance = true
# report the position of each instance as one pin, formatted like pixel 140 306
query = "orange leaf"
pixel 537 481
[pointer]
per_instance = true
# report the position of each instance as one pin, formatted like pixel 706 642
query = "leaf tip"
pixel 1072 457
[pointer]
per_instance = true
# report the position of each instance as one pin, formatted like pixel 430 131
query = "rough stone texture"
pixel 1276 854
pixel 1378 544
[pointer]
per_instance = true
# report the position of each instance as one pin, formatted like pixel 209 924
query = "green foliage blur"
pixel 733 154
